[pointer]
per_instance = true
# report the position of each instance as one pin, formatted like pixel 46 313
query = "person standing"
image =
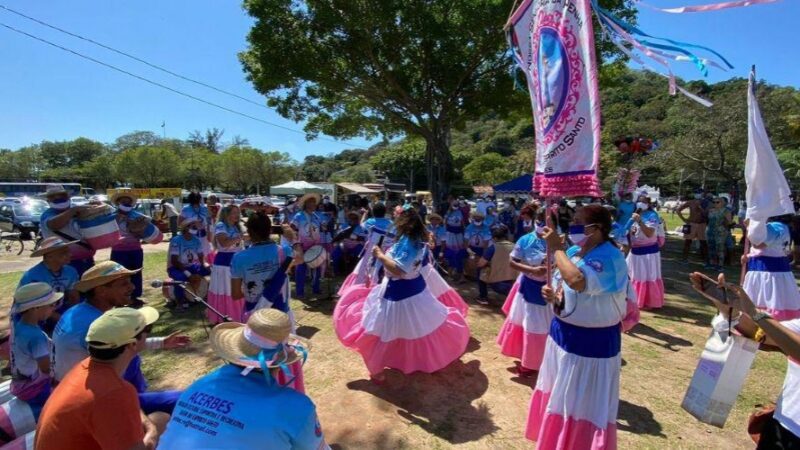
pixel 128 250
pixel 258 410
pixel 94 407
pixel 399 323
pixel 455 251
pixel 227 242
pixel 644 259
pixel 379 230
pixel 60 220
pixel 349 243
pixel 438 234
pixel 493 266
pixel 170 215
pixel 719 221
pixel 54 269
pixel 477 237
pixel 308 225
pixel 197 211
pixel 625 209
pixel 575 402
pixel 695 225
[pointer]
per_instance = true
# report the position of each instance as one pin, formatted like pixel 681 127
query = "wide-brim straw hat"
pixel 124 193
pixel 55 189
pixel 50 245
pixel 185 223
pixel 434 216
pixel 103 273
pixel 306 197
pixel 240 344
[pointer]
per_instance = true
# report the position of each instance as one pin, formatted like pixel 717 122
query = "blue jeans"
pixel 178 275
pixel 132 260
pixel 501 287
pixel 300 279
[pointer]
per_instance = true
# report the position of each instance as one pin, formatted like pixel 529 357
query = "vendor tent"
pixel 295 188
pixel 356 188
pixel 518 186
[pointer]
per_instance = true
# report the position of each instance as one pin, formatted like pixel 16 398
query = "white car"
pixel 79 201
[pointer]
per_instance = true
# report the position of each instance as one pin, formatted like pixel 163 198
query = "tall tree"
pixel 210 139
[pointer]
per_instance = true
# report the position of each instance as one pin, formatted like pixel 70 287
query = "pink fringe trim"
pixel 567 186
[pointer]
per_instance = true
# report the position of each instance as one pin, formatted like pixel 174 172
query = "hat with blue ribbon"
pixel 265 342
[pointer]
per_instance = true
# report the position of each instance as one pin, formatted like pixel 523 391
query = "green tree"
pixel 240 168
pixel 98 173
pixel 491 168
pixel 403 161
pixel 149 167
pixel 387 67
pixel 135 139
pixel 276 168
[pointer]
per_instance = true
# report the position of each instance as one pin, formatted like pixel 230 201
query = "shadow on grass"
pixel 653 336
pixel 440 403
pixel 637 420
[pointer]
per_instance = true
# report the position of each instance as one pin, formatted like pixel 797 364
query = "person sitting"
pixel 54 269
pixel 495 271
pixel 254 409
pixel 60 219
pixel 30 346
pixel 186 260
pixel 93 407
pixel 106 286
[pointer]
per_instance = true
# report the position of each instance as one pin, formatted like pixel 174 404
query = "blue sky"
pixel 50 94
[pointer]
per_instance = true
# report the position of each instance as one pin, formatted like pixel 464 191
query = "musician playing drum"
pixel 60 220
pixel 308 224
pixel 349 243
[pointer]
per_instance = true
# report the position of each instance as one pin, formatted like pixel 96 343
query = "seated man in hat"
pixel 251 409
pixel 93 407
pixel 348 244
pixel 186 260
pixel 54 269
pixel 30 348
pixel 106 286
pixel 60 220
pixel 308 225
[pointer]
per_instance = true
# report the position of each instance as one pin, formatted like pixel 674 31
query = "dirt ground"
pixel 476 402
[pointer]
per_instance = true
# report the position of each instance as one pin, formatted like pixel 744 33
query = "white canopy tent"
pixel 295 188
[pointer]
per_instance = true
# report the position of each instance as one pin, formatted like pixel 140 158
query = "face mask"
pixel 64 204
pixel 193 231
pixel 698 196
pixel 126 208
pixel 477 223
pixel 642 205
pixel 539 227
pixel 577 235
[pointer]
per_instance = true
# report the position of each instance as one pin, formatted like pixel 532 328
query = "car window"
pixel 5 211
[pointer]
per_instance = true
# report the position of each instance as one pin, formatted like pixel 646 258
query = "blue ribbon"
pixel 269 354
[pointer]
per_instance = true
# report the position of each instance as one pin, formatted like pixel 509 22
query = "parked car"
pixel 22 217
pixel 79 201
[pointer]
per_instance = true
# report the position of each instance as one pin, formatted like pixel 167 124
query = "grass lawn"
pixel 476 403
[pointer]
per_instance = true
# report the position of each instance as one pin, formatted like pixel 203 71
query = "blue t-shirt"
pixel 438 232
pixel 28 344
pixel 200 213
pixel 408 254
pixel 188 251
pixel 230 231
pixel 225 410
pixel 381 223
pixel 62 282
pixel 256 266
pixel 477 236
pixel 625 211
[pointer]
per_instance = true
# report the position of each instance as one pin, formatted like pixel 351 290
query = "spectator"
pixel 55 271
pixel 93 407
pixel 719 221
pixel 254 409
pixel 493 266
pixel 695 225
pixel 170 214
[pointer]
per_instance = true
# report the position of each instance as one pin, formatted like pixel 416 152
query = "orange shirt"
pixel 92 408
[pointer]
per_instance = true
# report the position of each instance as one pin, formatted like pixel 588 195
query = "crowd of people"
pixel 573 278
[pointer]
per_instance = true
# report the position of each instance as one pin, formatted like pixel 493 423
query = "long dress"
pixel 262 269
pixel 399 323
pixel 769 280
pixel 528 317
pixel 219 289
pixel 363 273
pixel 644 263
pixel 575 403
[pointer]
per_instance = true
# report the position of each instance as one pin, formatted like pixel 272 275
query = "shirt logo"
pixel 596 265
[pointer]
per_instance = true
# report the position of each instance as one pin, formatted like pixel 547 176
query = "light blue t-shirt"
pixel 230 231
pixel 28 344
pixel 408 255
pixel 477 236
pixel 530 249
pixel 381 223
pixel 255 266
pixel 62 282
pixel 188 251
pixel 225 410
pixel 438 232
pixel 625 211
pixel 69 338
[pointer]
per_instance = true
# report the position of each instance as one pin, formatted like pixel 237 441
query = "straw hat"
pixel 477 215
pixel 434 216
pixel 103 273
pixel 55 189
pixel 187 222
pixel 119 326
pixel 122 193
pixel 34 294
pixel 50 245
pixel 307 197
pixel 266 328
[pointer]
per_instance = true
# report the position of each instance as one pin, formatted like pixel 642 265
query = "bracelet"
pixel 760 336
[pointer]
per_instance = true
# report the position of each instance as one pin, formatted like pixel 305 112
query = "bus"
pixel 35 189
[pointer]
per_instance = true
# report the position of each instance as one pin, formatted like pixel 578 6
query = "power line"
pixel 173 90
pixel 135 58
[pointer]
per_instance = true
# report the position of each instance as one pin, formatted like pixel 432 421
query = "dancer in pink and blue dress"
pixel 769 280
pixel 379 229
pixel 644 259
pixel 455 252
pixel 575 402
pixel 528 316
pixel 399 324
pixel 308 224
pixel 258 275
pixel 227 240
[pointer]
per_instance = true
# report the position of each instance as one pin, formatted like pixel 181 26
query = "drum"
pixel 315 256
pixel 98 226
pixel 169 291
pixel 152 235
pixel 16 418
pixel 22 442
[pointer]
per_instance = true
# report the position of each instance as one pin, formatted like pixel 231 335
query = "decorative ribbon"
pixel 711 7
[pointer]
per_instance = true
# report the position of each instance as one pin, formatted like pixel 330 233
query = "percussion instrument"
pixel 152 235
pixel 98 226
pixel 23 442
pixel 315 256
pixel 16 418
pixel 168 291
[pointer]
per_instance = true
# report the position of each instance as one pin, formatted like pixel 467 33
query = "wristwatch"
pixel 761 315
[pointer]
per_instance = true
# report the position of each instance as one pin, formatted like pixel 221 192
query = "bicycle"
pixel 11 244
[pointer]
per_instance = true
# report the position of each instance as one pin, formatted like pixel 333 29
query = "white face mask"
pixel 193 231
pixel 125 208
pixel 477 223
pixel 642 205
pixel 577 234
pixel 64 204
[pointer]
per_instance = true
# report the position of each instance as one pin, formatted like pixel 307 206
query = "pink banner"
pixel 553 43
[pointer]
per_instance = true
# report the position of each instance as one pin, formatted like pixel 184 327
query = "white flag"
pixel 767 189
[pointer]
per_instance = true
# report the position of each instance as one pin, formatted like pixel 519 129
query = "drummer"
pixel 128 250
pixel 352 242
pixel 308 224
pixel 195 209
pixel 60 220
pixel 185 260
